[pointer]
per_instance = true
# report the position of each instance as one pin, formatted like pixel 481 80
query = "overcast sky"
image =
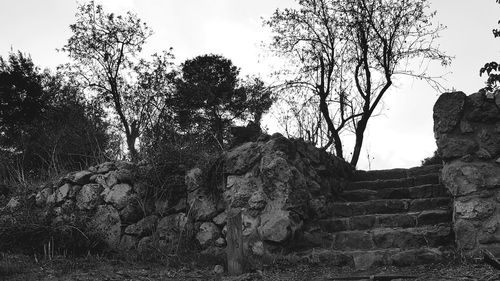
pixel 401 137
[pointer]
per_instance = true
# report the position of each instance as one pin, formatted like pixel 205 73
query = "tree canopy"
pixel 45 122
pixel 105 48
pixel 343 55
pixel 210 96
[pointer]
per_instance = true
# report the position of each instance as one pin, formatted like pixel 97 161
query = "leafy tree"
pixel 105 48
pixel 344 54
pixel 492 69
pixel 45 123
pixel 210 96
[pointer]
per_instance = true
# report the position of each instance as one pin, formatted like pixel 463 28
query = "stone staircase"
pixel 388 217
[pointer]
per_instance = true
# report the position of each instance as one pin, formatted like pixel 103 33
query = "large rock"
pixel 203 206
pixel 276 226
pixel 82 177
pixel 41 197
pixel 172 226
pixel 207 234
pixel 239 190
pixel 463 178
pixel 144 227
pixel 89 196
pixel 447 111
pixel 455 147
pixel 62 193
pixel 120 195
pixel 240 159
pixel 106 222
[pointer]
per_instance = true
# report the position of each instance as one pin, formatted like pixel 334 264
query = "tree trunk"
pixel 360 132
pixel 131 148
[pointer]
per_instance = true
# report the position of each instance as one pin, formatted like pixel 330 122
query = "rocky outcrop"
pixel 278 183
pixel 467 131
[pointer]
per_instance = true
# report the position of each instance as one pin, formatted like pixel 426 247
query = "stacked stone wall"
pixel 467 132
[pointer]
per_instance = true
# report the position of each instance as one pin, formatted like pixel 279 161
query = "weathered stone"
pixel 111 179
pixel 207 234
pixel 481 109
pixel 447 111
pixel 475 208
pixel 258 200
pixel 51 199
pixel 465 234
pixel 106 167
pixel 144 227
pixel 75 189
pixel 218 269
pixel 203 206
pixel 258 248
pixel 62 193
pixel 489 141
pixel 132 212
pixel 239 189
pixel 220 242
pixel 106 221
pixel 276 226
pixel 82 177
pixel 120 195
pixel 455 147
pixel 220 219
pixel 249 224
pixel 466 127
pixel 463 178
pixel 89 196
pixel 128 243
pixel 41 197
pixel 240 159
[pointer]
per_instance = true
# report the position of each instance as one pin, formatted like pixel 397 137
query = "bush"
pixel 29 230
pixel 433 160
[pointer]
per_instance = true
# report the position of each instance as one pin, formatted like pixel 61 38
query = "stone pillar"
pixel 467 132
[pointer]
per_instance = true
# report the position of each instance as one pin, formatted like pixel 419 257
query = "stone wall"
pixel 279 184
pixel 467 132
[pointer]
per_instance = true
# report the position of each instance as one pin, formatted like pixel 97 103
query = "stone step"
pixel 422 191
pixel 386 206
pixel 385 238
pixel 363 260
pixel 394 183
pixel 396 173
pixel 364 222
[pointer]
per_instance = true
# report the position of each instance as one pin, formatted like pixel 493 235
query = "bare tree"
pixel 346 53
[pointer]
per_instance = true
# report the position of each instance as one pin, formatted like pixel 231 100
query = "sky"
pixel 400 137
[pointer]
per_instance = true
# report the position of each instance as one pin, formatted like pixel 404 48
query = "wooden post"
pixel 234 239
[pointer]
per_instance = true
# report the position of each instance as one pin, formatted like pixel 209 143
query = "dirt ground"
pixel 23 268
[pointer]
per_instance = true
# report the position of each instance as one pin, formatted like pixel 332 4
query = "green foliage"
pixel 433 160
pixel 105 47
pixel 210 96
pixel 30 230
pixel 46 126
pixel 492 69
